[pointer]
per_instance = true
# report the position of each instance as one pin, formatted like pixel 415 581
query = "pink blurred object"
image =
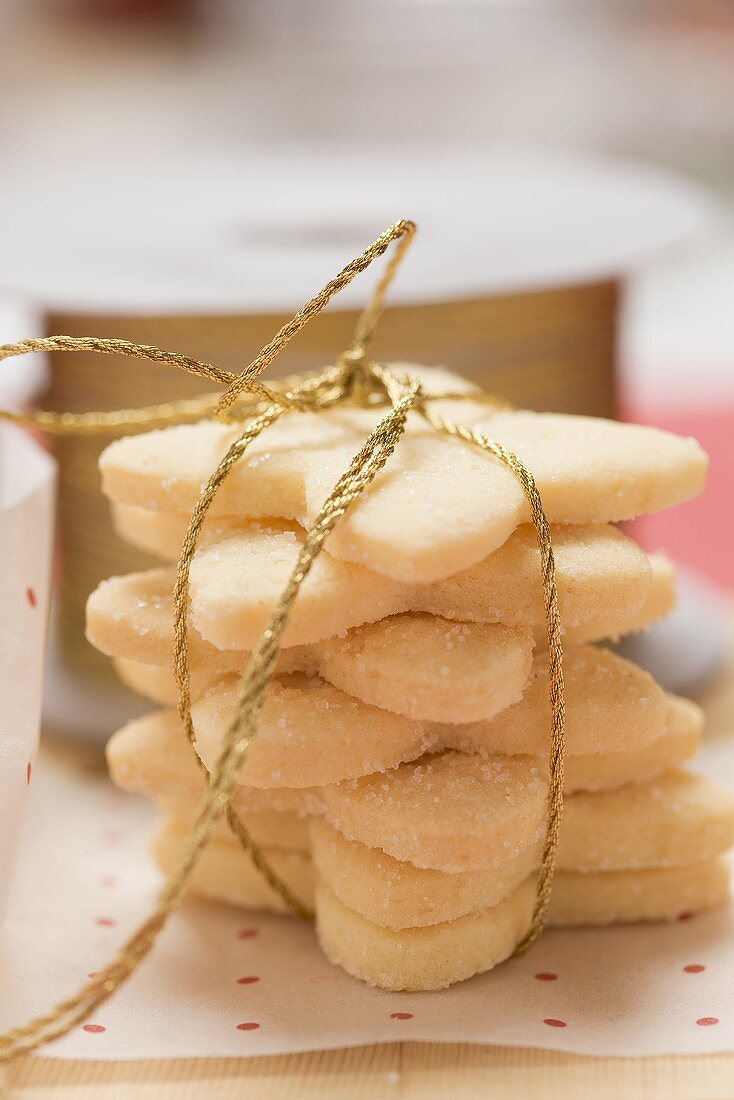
pixel 697 533
pixel 686 650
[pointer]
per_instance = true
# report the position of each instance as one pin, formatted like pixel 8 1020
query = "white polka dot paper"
pixel 222 982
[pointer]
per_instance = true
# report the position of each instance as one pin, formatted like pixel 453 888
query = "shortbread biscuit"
pixel 431 669
pixel 602 771
pixel 451 812
pixel 410 523
pixel 132 617
pixel 602 577
pixel 422 958
pixel 677 818
pixel 161 534
pixel 599 573
pixel 158 683
pixel 443 813
pixel 439 955
pixel 659 602
pixel 309 733
pixel 272 829
pixel 226 873
pixel 151 756
pixel 623 897
pixel 611 705
pixel 235 584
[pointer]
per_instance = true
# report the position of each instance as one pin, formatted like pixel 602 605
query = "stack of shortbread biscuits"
pixel 398 782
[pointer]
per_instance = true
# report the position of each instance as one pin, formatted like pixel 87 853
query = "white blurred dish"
pixel 258 231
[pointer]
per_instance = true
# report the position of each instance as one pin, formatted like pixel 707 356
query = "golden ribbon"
pixel 355 379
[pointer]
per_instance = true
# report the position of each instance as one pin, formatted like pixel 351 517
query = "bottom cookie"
pixel 434 957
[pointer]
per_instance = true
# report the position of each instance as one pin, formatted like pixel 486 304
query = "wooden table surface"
pixel 404 1070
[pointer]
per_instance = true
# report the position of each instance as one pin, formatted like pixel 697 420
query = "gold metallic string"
pixel 403 232
pixel 353 379
pixel 326 390
pixel 554 632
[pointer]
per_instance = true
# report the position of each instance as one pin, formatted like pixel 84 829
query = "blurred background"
pixel 187 172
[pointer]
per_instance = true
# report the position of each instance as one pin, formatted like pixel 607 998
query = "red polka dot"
pixel 546 976
pixel 28 771
pixel 105 922
pixel 707 1021
pixel 247 933
pixel 247 1027
pixel 30 595
pixel 401 1015
pixel 95 1029
pixel 108 881
pixel 247 981
pixel 555 1023
pixel 694 968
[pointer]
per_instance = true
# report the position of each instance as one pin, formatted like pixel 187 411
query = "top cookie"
pixel 439 505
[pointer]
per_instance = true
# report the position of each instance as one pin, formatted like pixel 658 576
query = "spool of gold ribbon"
pixel 549 348
pixel 247 400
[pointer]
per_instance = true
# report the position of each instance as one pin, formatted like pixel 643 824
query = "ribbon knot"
pixel 359 384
